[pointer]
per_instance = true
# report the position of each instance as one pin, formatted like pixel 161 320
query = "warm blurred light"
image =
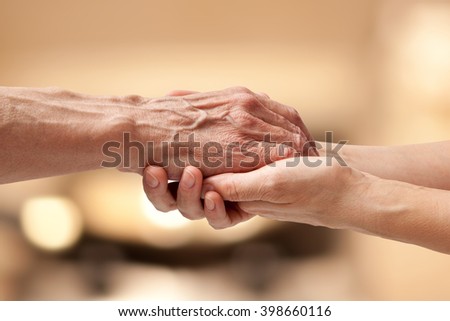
pixel 51 223
pixel 416 72
pixel 426 48
pixel 172 221
pixel 116 207
pixel 169 230
pixel 242 231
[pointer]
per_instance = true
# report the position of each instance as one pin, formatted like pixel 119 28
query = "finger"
pixel 221 215
pixel 260 130
pixel 298 121
pixel 310 148
pixel 237 187
pixel 260 154
pixel 259 106
pixel 275 119
pixel 244 96
pixel 263 208
pixel 156 189
pixel 270 112
pixel 189 194
pixel 279 212
pixel 176 93
pixel 289 113
pixel 233 95
pixel 215 211
pixel 264 95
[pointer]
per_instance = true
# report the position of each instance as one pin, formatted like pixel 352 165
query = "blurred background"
pixel 371 71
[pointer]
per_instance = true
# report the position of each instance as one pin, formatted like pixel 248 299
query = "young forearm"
pixel 46 132
pixel 401 211
pixel 421 164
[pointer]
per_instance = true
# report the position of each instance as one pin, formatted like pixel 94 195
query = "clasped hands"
pixel 283 186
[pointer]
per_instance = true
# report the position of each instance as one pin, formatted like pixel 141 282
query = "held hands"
pixel 289 190
pixel 232 130
pixel 271 191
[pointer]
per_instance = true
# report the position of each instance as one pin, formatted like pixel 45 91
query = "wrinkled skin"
pixel 222 131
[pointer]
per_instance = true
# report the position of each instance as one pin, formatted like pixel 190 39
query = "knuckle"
pixel 54 89
pixel 163 207
pixel 174 92
pixel 295 115
pixel 241 89
pixel 189 214
pixel 217 227
pixel 64 93
pixel 134 99
pixel 247 100
pixel 265 95
pixel 293 111
pixel 184 212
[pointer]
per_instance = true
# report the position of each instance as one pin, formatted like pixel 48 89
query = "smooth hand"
pixel 297 190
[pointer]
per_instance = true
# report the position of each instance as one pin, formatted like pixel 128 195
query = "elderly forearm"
pixel 46 132
pixel 421 164
pixel 401 211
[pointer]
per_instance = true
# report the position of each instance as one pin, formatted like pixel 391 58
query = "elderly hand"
pixel 232 130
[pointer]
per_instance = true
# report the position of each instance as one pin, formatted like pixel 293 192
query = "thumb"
pixel 237 187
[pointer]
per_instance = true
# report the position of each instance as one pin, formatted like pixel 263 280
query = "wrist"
pixel 347 196
pixel 123 140
pixel 383 207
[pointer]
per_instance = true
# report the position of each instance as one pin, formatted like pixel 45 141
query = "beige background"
pixel 372 71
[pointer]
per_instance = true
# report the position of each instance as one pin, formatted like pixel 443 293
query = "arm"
pixel 344 198
pixel 46 132
pixel 331 196
pixel 336 197
pixel 404 212
pixel 420 164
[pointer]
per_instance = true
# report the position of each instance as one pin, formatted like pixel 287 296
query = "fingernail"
pixel 209 203
pixel 188 179
pixel 152 181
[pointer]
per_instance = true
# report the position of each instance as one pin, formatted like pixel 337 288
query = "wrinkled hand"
pixel 289 190
pixel 222 131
